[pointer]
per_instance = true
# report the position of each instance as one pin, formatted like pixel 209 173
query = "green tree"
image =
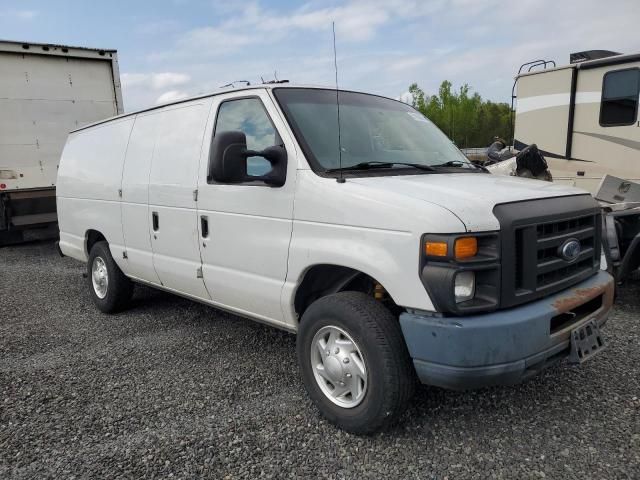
pixel 467 119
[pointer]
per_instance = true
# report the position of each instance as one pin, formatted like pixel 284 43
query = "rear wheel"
pixel 110 289
pixel 354 362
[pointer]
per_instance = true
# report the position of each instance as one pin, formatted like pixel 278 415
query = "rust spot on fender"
pixel 577 297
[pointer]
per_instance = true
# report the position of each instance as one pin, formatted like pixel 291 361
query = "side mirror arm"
pixel 268 154
pixel 277 157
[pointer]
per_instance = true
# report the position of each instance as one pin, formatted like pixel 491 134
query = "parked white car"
pixel 391 256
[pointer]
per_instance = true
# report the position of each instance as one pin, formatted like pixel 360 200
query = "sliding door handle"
pixel 204 226
pixel 155 221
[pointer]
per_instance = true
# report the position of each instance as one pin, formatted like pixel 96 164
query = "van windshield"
pixel 373 130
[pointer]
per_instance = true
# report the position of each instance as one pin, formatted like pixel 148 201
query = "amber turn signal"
pixel 436 249
pixel 466 247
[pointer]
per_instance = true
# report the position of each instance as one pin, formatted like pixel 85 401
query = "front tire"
pixel 354 361
pixel 110 289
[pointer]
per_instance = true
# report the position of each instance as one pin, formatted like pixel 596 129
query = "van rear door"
pixel 173 218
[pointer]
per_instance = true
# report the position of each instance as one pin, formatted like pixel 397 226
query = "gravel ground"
pixel 171 388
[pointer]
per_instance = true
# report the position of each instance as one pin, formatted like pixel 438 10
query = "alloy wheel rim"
pixel 339 367
pixel 99 277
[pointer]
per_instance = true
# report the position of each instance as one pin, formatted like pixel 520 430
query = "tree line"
pixel 466 118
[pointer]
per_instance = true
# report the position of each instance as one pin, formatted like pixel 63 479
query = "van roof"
pixel 224 90
pixel 587 64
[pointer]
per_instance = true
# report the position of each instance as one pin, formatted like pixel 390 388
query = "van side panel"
pixel 135 199
pixel 88 183
pixel 172 183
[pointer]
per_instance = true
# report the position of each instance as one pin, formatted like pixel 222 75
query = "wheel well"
pixel 93 236
pixel 323 280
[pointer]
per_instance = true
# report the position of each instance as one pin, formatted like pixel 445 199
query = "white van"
pixel 372 237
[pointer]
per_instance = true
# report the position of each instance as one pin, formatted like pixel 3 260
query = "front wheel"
pixel 354 361
pixel 110 289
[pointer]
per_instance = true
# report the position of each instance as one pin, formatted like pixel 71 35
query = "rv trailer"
pixel 46 91
pixel 583 117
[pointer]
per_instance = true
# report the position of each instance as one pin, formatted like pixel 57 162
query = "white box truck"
pixel 374 239
pixel 45 92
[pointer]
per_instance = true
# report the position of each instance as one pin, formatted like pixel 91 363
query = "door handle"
pixel 155 221
pixel 204 226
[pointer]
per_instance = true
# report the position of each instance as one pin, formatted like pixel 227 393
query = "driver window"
pixel 249 116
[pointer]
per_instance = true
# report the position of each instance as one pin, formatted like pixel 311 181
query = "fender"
pixel 389 256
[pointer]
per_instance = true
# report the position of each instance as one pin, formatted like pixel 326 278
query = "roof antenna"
pixel 340 178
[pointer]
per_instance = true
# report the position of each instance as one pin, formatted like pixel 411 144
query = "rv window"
pixel 620 90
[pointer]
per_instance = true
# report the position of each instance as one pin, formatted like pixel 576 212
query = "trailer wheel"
pixel 110 289
pixel 354 361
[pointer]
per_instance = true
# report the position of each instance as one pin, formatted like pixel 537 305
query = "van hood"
pixel 469 196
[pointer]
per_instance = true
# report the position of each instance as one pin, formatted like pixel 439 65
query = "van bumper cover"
pixel 503 347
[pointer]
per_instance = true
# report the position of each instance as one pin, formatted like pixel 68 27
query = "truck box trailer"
pixel 45 92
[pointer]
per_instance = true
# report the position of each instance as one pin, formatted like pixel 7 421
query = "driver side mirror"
pixel 228 160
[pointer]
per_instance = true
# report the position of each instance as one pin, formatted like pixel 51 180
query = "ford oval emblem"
pixel 570 250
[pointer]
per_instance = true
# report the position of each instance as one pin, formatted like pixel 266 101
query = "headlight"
pixel 463 247
pixel 464 286
pixel 461 271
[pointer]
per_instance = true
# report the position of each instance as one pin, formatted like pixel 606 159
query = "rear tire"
pixel 110 289
pixel 367 346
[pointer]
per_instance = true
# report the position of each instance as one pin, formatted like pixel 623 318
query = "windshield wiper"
pixel 370 165
pixel 460 164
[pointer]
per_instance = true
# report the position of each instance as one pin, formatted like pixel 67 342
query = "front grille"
pixel 533 265
pixel 550 267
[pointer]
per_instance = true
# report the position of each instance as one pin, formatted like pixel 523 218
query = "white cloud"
pixel 169 79
pixel 155 80
pixel 171 96
pixel 406 97
pixel 488 59
pixel 161 27
pixel 143 89
pixel 407 63
pixel 383 45
pixel 356 21
pixel 214 40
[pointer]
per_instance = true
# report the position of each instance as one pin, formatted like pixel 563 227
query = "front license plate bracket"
pixel 586 341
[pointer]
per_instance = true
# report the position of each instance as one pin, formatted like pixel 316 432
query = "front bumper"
pixel 503 347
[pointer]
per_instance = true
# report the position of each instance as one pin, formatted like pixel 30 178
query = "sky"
pixel 170 49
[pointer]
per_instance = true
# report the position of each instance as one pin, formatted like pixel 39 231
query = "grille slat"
pixel 558 263
pixel 557 240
